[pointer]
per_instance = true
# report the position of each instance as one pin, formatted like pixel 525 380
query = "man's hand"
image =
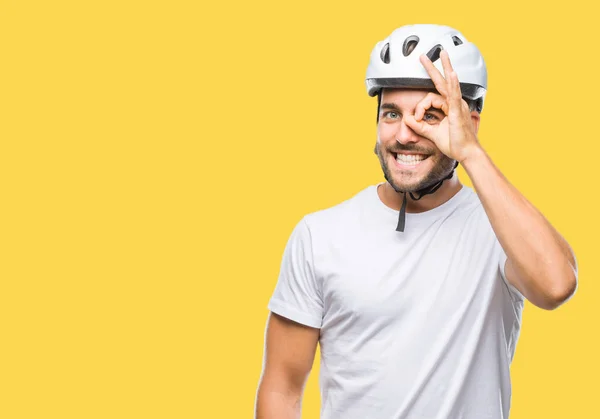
pixel 455 135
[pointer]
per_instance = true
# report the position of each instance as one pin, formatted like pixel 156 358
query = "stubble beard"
pixel 442 168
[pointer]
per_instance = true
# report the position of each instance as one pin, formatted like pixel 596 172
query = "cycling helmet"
pixel 395 60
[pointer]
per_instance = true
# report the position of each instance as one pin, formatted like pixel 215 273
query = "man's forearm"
pixel 542 258
pixel 275 404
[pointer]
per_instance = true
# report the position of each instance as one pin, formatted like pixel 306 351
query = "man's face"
pixel 409 162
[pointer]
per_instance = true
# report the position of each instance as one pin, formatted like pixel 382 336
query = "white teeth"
pixel 409 158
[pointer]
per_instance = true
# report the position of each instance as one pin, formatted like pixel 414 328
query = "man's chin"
pixel 401 188
pixel 414 185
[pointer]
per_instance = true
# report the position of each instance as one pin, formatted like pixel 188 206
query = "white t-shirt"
pixel 414 325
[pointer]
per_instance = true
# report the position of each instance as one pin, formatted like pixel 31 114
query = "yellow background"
pixel 155 157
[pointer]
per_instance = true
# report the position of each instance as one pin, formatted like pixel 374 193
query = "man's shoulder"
pixel 468 203
pixel 472 217
pixel 472 205
pixel 341 212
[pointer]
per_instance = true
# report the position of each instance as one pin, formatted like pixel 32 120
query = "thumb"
pixel 420 127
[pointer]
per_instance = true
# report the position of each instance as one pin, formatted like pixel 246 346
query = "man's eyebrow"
pixel 432 109
pixel 435 110
pixel 391 106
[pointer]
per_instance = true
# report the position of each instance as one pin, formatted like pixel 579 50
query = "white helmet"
pixel 395 60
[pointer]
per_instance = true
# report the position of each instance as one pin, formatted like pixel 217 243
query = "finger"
pixel 434 73
pixel 454 92
pixel 455 96
pixel 421 128
pixel 446 64
pixel 432 100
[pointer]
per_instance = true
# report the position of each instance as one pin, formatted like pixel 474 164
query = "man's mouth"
pixel 411 160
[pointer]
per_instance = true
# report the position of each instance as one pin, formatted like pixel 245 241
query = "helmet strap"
pixel 422 192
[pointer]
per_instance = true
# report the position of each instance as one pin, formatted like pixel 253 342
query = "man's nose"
pixel 406 135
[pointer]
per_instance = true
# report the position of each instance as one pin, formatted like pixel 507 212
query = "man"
pixel 414 288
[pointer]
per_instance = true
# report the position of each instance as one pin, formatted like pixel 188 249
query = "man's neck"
pixel 393 199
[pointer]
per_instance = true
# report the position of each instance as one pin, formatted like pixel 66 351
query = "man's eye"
pixel 429 117
pixel 391 114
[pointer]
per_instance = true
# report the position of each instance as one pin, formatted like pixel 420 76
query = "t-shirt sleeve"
pixel 514 293
pixel 297 295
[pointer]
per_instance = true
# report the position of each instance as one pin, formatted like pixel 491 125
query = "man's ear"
pixel 475 118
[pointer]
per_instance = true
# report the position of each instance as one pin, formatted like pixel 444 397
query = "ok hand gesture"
pixel 455 135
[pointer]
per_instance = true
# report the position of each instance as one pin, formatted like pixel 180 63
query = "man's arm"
pixel 289 354
pixel 540 264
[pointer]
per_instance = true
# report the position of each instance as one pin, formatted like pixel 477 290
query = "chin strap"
pixel 422 192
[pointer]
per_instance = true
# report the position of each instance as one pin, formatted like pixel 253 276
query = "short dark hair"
pixel 474 104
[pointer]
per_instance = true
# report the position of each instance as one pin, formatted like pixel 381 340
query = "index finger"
pixel 437 78
pixel 446 64
pixel 454 91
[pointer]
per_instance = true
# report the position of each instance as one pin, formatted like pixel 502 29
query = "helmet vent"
pixel 457 40
pixel 385 53
pixel 434 53
pixel 410 44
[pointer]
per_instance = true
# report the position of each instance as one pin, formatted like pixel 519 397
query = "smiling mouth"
pixel 410 160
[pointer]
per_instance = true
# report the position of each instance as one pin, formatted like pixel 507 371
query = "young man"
pixel 414 287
